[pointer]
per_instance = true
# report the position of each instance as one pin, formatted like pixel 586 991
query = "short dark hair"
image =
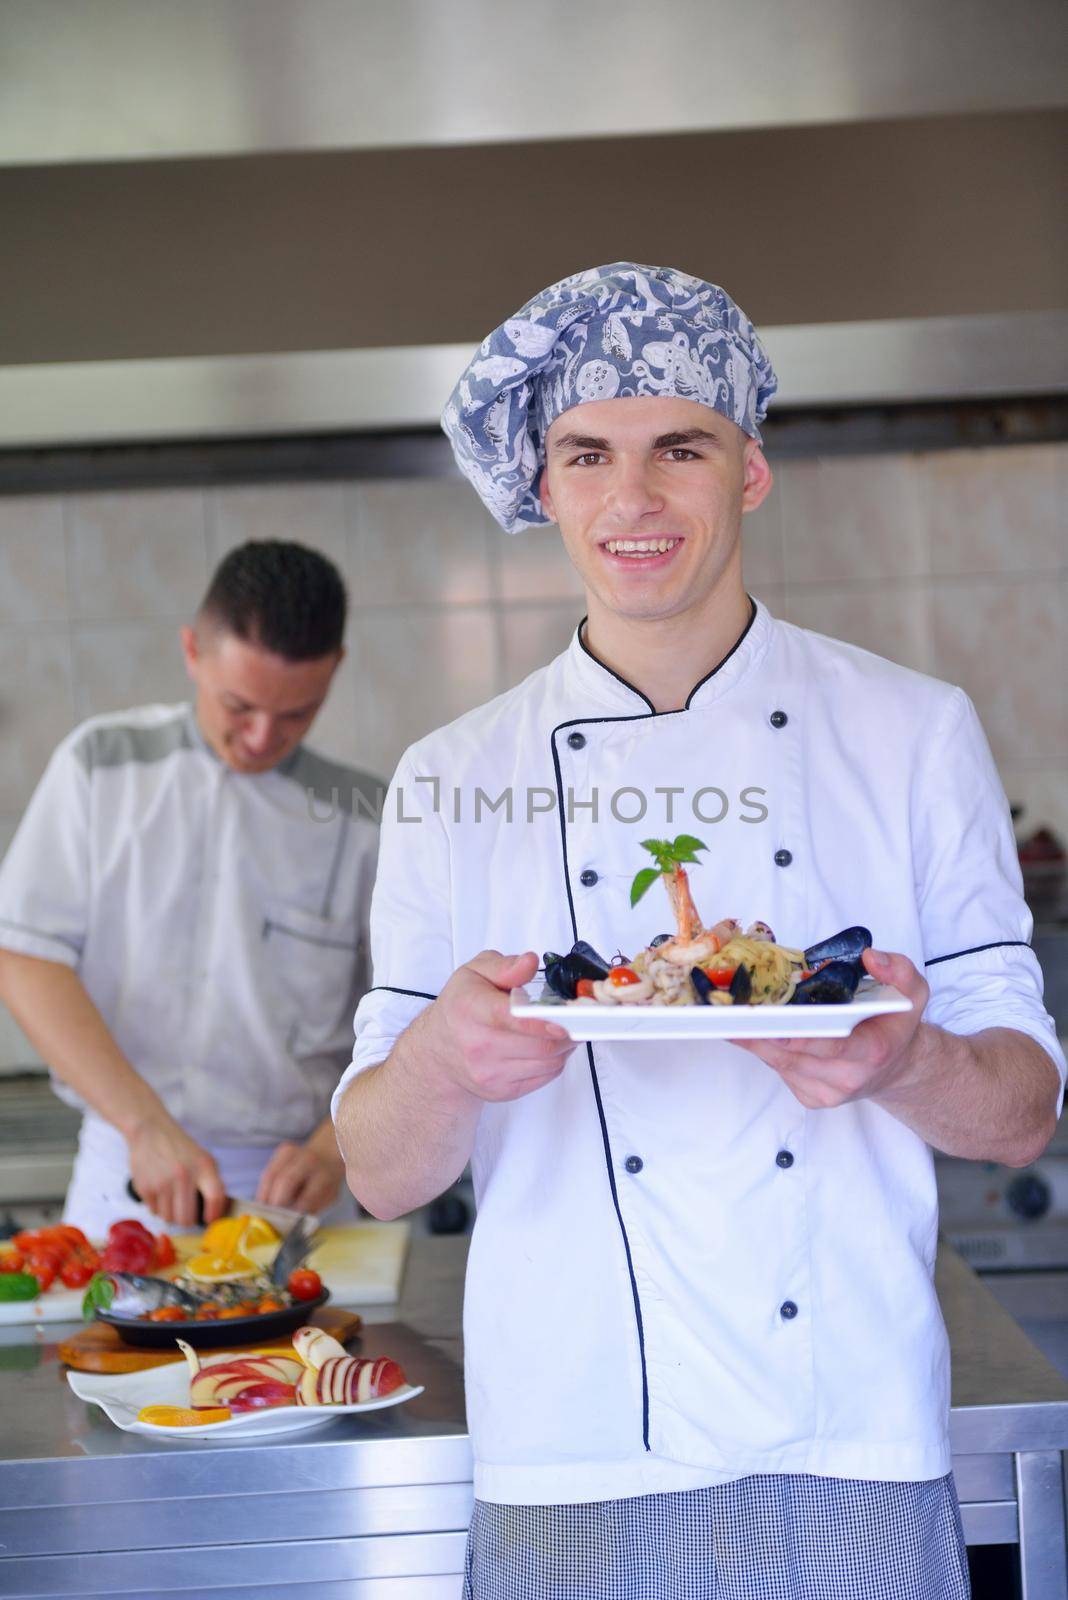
pixel 281 596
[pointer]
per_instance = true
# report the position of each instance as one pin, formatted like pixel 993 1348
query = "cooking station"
pixel 377 1506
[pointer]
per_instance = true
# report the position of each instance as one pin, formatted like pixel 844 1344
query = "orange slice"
pixel 183 1416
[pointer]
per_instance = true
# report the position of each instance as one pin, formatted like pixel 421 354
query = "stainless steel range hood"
pixel 120 80
pixel 248 217
pixel 336 391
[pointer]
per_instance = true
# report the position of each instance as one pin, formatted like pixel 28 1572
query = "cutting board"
pixel 100 1348
pixel 361 1263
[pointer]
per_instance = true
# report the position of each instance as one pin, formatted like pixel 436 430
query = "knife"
pixel 279 1217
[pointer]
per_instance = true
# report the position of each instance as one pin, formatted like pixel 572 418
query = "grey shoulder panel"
pixel 118 744
pixel 337 786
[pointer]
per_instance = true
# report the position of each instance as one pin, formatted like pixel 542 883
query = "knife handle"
pixel 131 1190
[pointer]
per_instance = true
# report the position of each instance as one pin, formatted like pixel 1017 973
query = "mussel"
pixel 702 985
pixel 562 973
pixel 834 984
pixel 661 938
pixel 849 945
pixel 741 986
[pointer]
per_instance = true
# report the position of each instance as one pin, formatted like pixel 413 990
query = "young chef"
pixel 704 1354
pixel 183 914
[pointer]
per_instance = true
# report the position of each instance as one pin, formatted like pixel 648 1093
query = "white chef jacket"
pixel 656 1298
pixel 216 918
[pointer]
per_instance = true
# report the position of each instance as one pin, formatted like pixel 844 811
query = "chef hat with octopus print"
pixel 604 334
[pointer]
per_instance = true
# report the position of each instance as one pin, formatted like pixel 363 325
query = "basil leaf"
pixel 645 878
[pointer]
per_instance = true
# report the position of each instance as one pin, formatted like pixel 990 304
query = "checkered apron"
pixel 771 1537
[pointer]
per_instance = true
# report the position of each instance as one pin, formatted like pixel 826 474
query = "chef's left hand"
pixel 303 1177
pixel 830 1072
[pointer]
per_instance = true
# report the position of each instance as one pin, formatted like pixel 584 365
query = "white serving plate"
pixel 122 1394
pixel 587 1019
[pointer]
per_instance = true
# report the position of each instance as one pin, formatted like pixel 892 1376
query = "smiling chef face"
pixel 649 493
pixel 253 707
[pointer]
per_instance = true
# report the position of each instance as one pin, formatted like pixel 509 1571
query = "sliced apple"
pixel 313 1346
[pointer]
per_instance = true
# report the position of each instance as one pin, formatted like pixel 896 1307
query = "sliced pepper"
pixel 18 1286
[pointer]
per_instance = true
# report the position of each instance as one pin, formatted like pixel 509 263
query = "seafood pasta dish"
pixel 720 965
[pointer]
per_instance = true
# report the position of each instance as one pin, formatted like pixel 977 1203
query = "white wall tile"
pixel 762 549
pixel 535 566
pixel 33 559
pixel 891 620
pixel 334 732
pixel 136 554
pixel 996 510
pixel 15 1049
pixel 1004 642
pixel 36 706
pixel 420 541
pixel 773 595
pixel 314 514
pixel 1042 791
pixel 128 664
pixel 851 517
pixel 534 635
pixel 415 670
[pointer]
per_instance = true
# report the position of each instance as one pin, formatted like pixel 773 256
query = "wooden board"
pixel 361 1263
pixel 99 1348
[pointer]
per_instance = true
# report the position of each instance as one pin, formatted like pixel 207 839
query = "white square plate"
pixel 122 1394
pixel 587 1019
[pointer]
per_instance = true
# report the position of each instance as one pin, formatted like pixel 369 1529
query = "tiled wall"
pixel 955 563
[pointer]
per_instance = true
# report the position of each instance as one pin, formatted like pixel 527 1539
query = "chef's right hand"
pixel 168 1167
pixel 482 1048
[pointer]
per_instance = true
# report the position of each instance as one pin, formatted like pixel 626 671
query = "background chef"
pixel 704 1354
pixel 183 913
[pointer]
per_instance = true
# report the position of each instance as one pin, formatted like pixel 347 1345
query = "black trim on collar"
pixel 653 712
pixel 417 994
pixel 998 944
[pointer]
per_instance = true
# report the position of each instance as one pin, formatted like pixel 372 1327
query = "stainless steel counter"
pixel 377 1507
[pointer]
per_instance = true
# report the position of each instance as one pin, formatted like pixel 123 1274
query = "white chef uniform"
pixel 216 918
pixel 678 1275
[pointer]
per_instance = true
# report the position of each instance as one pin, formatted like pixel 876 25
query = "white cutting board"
pixel 361 1263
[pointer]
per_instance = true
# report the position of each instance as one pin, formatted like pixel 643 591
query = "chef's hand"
pixel 168 1167
pixel 304 1177
pixel 480 1046
pixel 831 1072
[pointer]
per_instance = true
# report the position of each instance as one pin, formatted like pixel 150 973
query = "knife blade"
pixel 279 1217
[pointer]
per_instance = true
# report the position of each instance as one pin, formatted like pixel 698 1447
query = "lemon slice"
pixel 260 1231
pixel 230 1234
pixel 217 1269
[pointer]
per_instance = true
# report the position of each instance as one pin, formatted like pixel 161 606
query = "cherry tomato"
pixel 164 1253
pixel 304 1284
pixel 43 1271
pixel 70 1236
pixel 11 1261
pixel 621 976
pixel 584 989
pixel 167 1314
pixel 232 1311
pixel 75 1273
pixel 269 1303
pixel 721 977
